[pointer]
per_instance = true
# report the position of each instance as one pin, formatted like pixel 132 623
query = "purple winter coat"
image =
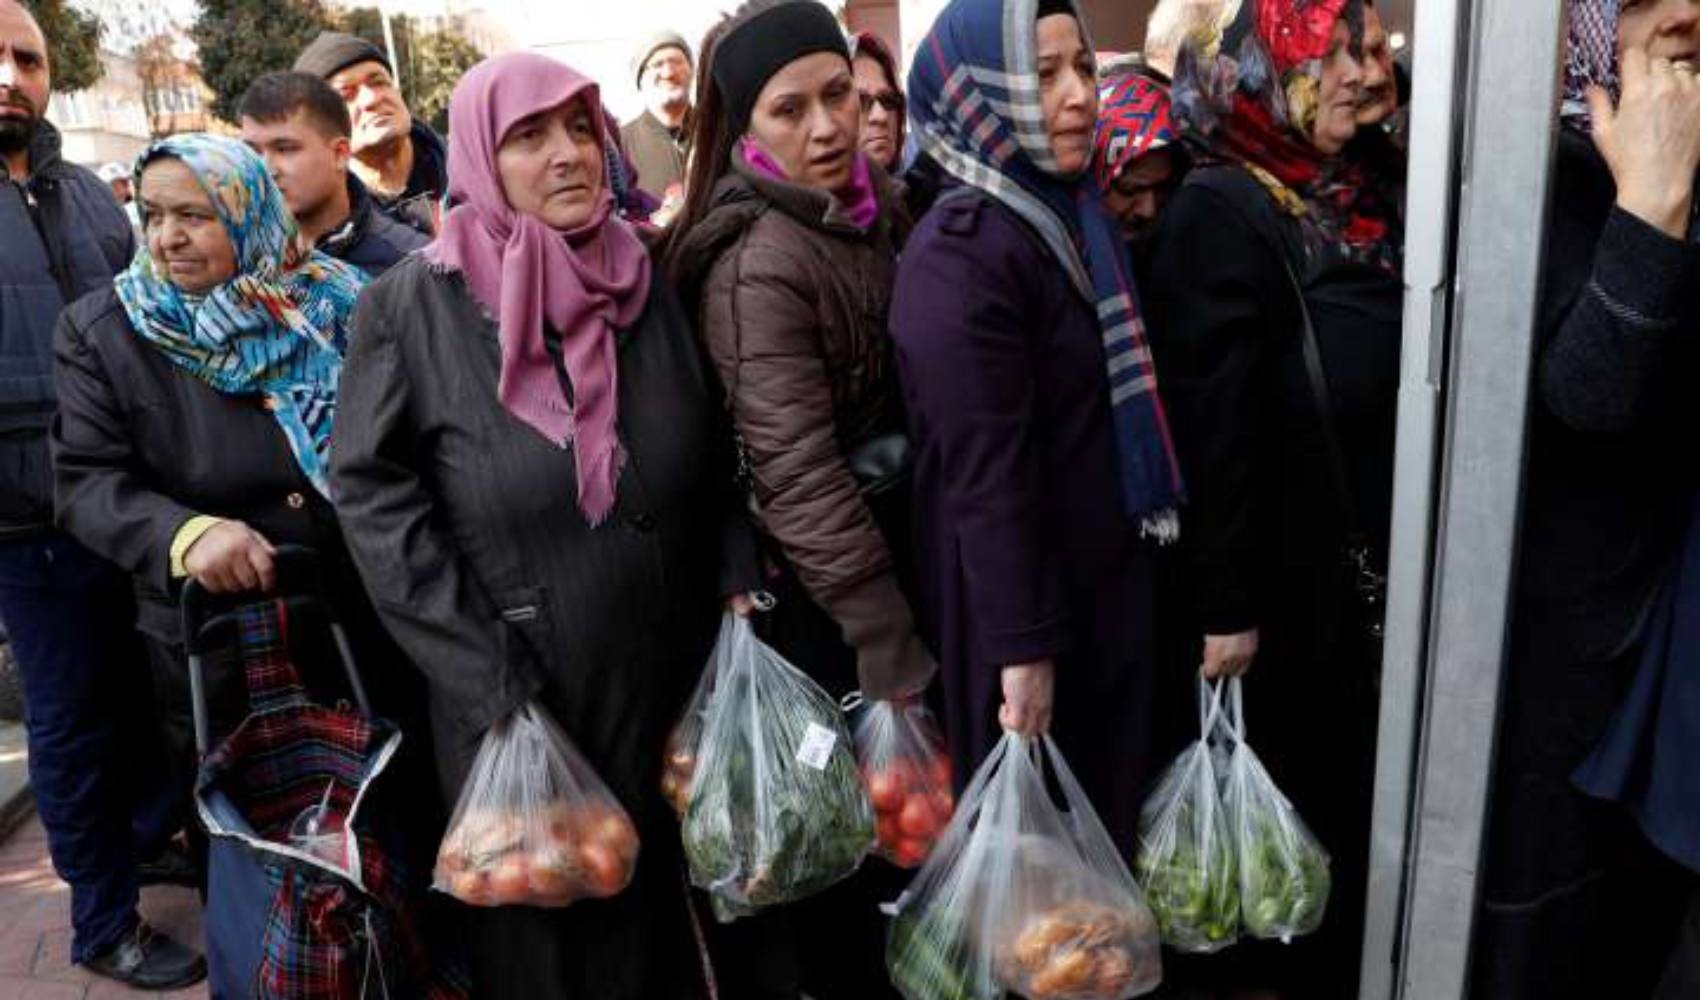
pixel 1023 551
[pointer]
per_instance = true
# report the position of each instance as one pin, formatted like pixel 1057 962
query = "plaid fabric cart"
pixel 285 920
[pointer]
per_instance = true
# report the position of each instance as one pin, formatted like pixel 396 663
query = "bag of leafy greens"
pixel 1284 877
pixel 1021 896
pixel 1187 861
pixel 774 810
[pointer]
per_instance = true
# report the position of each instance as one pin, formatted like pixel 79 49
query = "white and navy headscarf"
pixel 974 103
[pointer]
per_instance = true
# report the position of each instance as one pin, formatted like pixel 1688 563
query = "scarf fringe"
pixel 1164 526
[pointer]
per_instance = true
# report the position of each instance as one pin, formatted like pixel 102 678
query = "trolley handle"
pixel 299 571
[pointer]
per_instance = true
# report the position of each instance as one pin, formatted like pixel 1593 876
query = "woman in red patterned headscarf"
pixel 1278 249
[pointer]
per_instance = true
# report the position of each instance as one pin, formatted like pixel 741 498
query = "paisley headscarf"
pixel 974 102
pixel 1246 92
pixel 583 284
pixel 1590 57
pixel 1133 119
pixel 278 328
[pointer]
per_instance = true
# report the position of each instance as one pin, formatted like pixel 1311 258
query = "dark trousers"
pixel 93 752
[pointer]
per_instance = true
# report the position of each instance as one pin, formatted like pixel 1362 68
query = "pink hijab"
pixel 584 283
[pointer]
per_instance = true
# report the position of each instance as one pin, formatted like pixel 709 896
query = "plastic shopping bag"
pixel 907 770
pixel 1284 878
pixel 1187 861
pixel 1021 896
pixel 534 824
pixel 774 808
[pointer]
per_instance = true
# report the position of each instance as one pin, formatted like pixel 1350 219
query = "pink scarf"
pixel 584 283
pixel 861 205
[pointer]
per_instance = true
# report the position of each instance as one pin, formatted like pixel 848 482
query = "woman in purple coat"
pixel 1044 477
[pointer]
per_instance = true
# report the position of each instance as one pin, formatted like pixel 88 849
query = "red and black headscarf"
pixel 1246 92
pixel 1133 119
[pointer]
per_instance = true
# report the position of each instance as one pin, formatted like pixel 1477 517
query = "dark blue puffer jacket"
pixel 62 236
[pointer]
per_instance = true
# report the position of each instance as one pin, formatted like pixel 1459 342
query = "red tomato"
pixel 604 874
pixel 944 806
pixel 902 771
pixel 510 880
pixel 911 852
pixel 917 818
pixel 615 832
pixel 939 770
pixel 885 792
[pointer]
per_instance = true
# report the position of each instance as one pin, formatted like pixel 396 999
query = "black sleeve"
pixel 1603 359
pixel 1206 295
pixel 102 495
pixel 423 589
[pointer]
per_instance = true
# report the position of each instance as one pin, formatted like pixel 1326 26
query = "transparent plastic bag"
pixel 775 810
pixel 1187 861
pixel 1021 896
pixel 534 826
pixel 907 772
pixel 1284 878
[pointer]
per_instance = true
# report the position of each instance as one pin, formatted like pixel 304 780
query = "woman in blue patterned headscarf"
pixel 196 398
pixel 276 326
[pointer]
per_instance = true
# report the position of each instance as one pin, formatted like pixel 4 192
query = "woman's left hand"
pixel 742 605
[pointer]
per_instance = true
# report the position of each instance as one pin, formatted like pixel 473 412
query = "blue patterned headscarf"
pixel 974 103
pixel 1590 57
pixel 276 329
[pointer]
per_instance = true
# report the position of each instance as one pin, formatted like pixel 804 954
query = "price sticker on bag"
pixel 815 750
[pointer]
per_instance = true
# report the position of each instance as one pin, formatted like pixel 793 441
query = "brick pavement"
pixel 35 927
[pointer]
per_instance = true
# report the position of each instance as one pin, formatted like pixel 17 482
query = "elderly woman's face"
pixel 185 235
pixel 1337 97
pixel 1667 29
pixel 551 165
pixel 1068 91
pixel 1379 99
pixel 808 117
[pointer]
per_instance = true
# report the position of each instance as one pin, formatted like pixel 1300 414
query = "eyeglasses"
pixel 891 101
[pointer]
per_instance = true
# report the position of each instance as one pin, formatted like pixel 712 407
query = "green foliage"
pixel 241 40
pixel 73 43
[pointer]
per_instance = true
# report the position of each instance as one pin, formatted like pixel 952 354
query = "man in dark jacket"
pixel 69 613
pixel 300 126
pixel 658 141
pixel 402 162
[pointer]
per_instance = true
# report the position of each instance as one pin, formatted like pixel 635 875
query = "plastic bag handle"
pixel 1210 714
pixel 1233 716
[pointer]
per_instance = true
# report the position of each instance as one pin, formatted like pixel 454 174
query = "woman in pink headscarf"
pixel 529 466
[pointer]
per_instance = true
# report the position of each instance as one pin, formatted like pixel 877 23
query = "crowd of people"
pixel 1026 384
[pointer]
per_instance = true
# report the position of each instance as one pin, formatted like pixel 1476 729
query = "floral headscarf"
pixel 1246 92
pixel 278 328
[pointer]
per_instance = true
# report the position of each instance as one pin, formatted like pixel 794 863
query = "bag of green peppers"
pixel 774 809
pixel 1284 878
pixel 1187 860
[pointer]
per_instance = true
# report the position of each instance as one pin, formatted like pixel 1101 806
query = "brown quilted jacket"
pixel 792 308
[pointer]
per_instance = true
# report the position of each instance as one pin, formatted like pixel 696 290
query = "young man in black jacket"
pixel 69 613
pixel 299 125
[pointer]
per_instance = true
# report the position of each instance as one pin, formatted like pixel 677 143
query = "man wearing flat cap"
pixel 658 141
pixel 402 162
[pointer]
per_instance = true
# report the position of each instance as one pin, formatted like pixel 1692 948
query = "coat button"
pixel 641 521
pixel 295 501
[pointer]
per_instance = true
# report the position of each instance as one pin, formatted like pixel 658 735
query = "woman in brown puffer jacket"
pixel 786 248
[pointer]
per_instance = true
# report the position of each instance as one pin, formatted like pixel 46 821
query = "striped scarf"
pixel 278 327
pixel 974 102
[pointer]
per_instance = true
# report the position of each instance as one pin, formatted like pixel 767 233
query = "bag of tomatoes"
pixel 907 770
pixel 534 826
pixel 774 810
pixel 1024 894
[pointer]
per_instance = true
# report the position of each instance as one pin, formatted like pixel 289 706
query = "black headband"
pixel 751 53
